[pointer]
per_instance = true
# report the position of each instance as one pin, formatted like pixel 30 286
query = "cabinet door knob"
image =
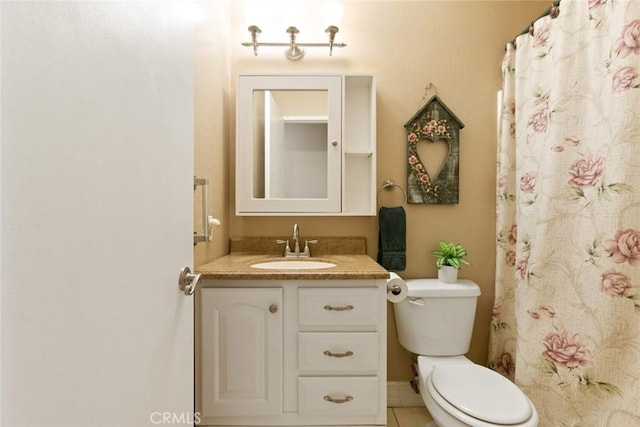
pixel 273 308
pixel 344 308
pixel 334 400
pixel 334 143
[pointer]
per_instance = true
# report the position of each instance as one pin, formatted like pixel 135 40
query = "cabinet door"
pixel 241 352
pixel 288 144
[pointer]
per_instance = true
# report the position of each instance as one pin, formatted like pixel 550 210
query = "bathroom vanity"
pixel 292 347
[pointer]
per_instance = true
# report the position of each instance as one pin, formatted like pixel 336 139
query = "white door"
pixel 96 219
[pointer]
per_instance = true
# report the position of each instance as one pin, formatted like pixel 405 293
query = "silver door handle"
pixel 331 354
pixel 188 281
pixel 343 308
pixel 334 400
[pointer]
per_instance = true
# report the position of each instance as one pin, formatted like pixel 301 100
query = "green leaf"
pixel 450 254
pixel 609 388
pixel 619 187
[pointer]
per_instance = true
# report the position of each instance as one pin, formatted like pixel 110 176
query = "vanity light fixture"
pixel 294 50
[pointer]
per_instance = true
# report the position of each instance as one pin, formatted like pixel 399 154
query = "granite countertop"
pixel 354 264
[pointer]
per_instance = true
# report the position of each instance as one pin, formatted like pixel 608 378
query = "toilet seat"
pixel 480 393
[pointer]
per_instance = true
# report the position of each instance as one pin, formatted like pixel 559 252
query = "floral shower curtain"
pixel 566 319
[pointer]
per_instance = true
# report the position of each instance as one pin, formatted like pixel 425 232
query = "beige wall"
pixel 212 122
pixel 457 46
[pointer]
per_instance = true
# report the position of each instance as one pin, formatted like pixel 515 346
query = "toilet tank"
pixel 436 318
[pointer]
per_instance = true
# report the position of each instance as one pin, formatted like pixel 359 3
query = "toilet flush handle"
pixel 416 301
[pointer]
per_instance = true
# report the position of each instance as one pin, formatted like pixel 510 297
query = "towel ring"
pixel 389 185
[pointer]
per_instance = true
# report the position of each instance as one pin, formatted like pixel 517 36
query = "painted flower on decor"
pixel 572 140
pixel 625 247
pixel 504 364
pixel 510 258
pixel 547 310
pixel 513 234
pixel 565 350
pixel 540 36
pixel 502 181
pixel 587 171
pixel 595 3
pixel 539 121
pixel 522 265
pixel 433 130
pixel 624 79
pixel 528 182
pixel 615 284
pixel 629 41
pixel 497 309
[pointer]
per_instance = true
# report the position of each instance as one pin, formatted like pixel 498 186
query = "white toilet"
pixel 435 322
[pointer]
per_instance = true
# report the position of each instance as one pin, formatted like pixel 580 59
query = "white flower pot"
pixel 448 274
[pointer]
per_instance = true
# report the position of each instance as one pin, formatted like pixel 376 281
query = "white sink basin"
pixel 293 265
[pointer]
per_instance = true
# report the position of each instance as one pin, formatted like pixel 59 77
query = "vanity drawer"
pixel 338 396
pixel 338 309
pixel 335 353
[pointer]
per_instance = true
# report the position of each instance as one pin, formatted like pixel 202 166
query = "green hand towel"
pixel 392 244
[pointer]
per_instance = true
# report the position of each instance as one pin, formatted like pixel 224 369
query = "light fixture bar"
pixel 294 49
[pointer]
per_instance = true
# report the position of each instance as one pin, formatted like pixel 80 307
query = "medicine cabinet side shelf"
pixel 359 145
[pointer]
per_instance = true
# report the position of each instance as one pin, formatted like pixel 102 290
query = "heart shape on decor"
pixel 433 155
pixel 430 130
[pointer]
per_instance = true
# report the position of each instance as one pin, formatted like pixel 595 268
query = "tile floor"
pixel 410 416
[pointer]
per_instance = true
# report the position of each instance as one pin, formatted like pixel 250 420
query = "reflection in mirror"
pixel 290 144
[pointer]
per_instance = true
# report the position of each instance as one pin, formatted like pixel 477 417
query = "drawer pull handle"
pixel 332 400
pixel 332 308
pixel 347 354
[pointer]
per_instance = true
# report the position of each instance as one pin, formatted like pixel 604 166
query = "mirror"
pixel 305 145
pixel 290 144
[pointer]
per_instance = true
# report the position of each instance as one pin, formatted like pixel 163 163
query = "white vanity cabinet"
pixel 305 145
pixel 293 352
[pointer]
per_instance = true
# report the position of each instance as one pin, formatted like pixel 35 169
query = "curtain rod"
pixel 553 11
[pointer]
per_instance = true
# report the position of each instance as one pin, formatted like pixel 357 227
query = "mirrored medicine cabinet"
pixel 305 145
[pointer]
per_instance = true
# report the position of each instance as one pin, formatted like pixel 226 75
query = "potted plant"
pixel 449 259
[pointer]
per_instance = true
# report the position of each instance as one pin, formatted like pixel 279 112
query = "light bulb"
pixel 332 12
pixel 290 13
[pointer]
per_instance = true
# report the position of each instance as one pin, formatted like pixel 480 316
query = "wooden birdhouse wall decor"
pixel 433 123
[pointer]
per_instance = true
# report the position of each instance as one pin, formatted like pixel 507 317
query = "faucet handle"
pixel 307 251
pixel 287 249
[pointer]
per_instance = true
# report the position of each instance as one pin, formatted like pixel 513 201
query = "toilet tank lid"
pixel 435 288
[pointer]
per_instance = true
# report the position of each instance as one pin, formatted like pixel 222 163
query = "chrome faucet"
pixel 296 240
pixel 296 253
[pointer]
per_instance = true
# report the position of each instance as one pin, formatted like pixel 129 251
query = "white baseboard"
pixel 400 394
